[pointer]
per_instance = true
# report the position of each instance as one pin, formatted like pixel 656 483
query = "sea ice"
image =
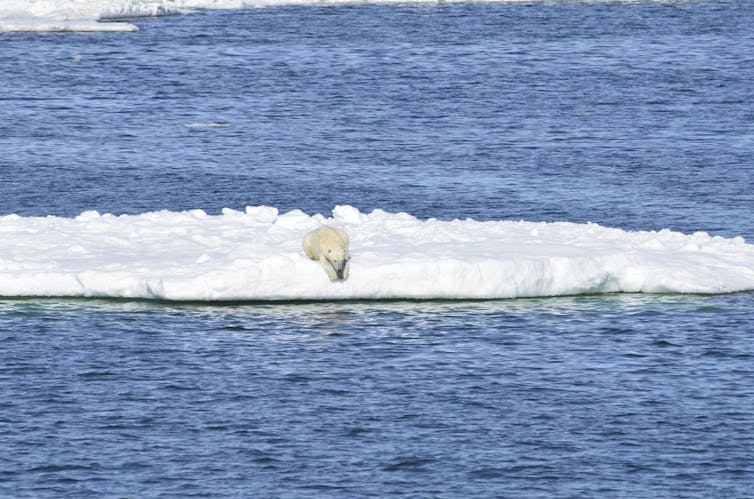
pixel 257 254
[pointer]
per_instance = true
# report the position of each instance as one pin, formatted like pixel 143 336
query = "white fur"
pixel 329 246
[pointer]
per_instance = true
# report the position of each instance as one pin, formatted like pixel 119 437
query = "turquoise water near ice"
pixel 634 115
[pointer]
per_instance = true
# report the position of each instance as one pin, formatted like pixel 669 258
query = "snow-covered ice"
pixel 80 15
pixel 257 255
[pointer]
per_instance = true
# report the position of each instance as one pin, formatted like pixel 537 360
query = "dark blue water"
pixel 621 396
pixel 637 115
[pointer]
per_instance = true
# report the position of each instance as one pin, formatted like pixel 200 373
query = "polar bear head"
pixel 338 258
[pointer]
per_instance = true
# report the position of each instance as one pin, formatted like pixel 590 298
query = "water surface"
pixel 613 396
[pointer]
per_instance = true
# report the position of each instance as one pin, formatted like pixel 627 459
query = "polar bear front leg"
pixel 347 268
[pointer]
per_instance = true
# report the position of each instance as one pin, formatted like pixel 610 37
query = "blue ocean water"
pixel 635 115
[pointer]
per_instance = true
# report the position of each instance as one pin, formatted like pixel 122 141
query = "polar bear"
pixel 329 246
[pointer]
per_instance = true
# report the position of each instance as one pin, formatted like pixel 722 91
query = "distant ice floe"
pixel 80 15
pixel 257 254
pixel 99 15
